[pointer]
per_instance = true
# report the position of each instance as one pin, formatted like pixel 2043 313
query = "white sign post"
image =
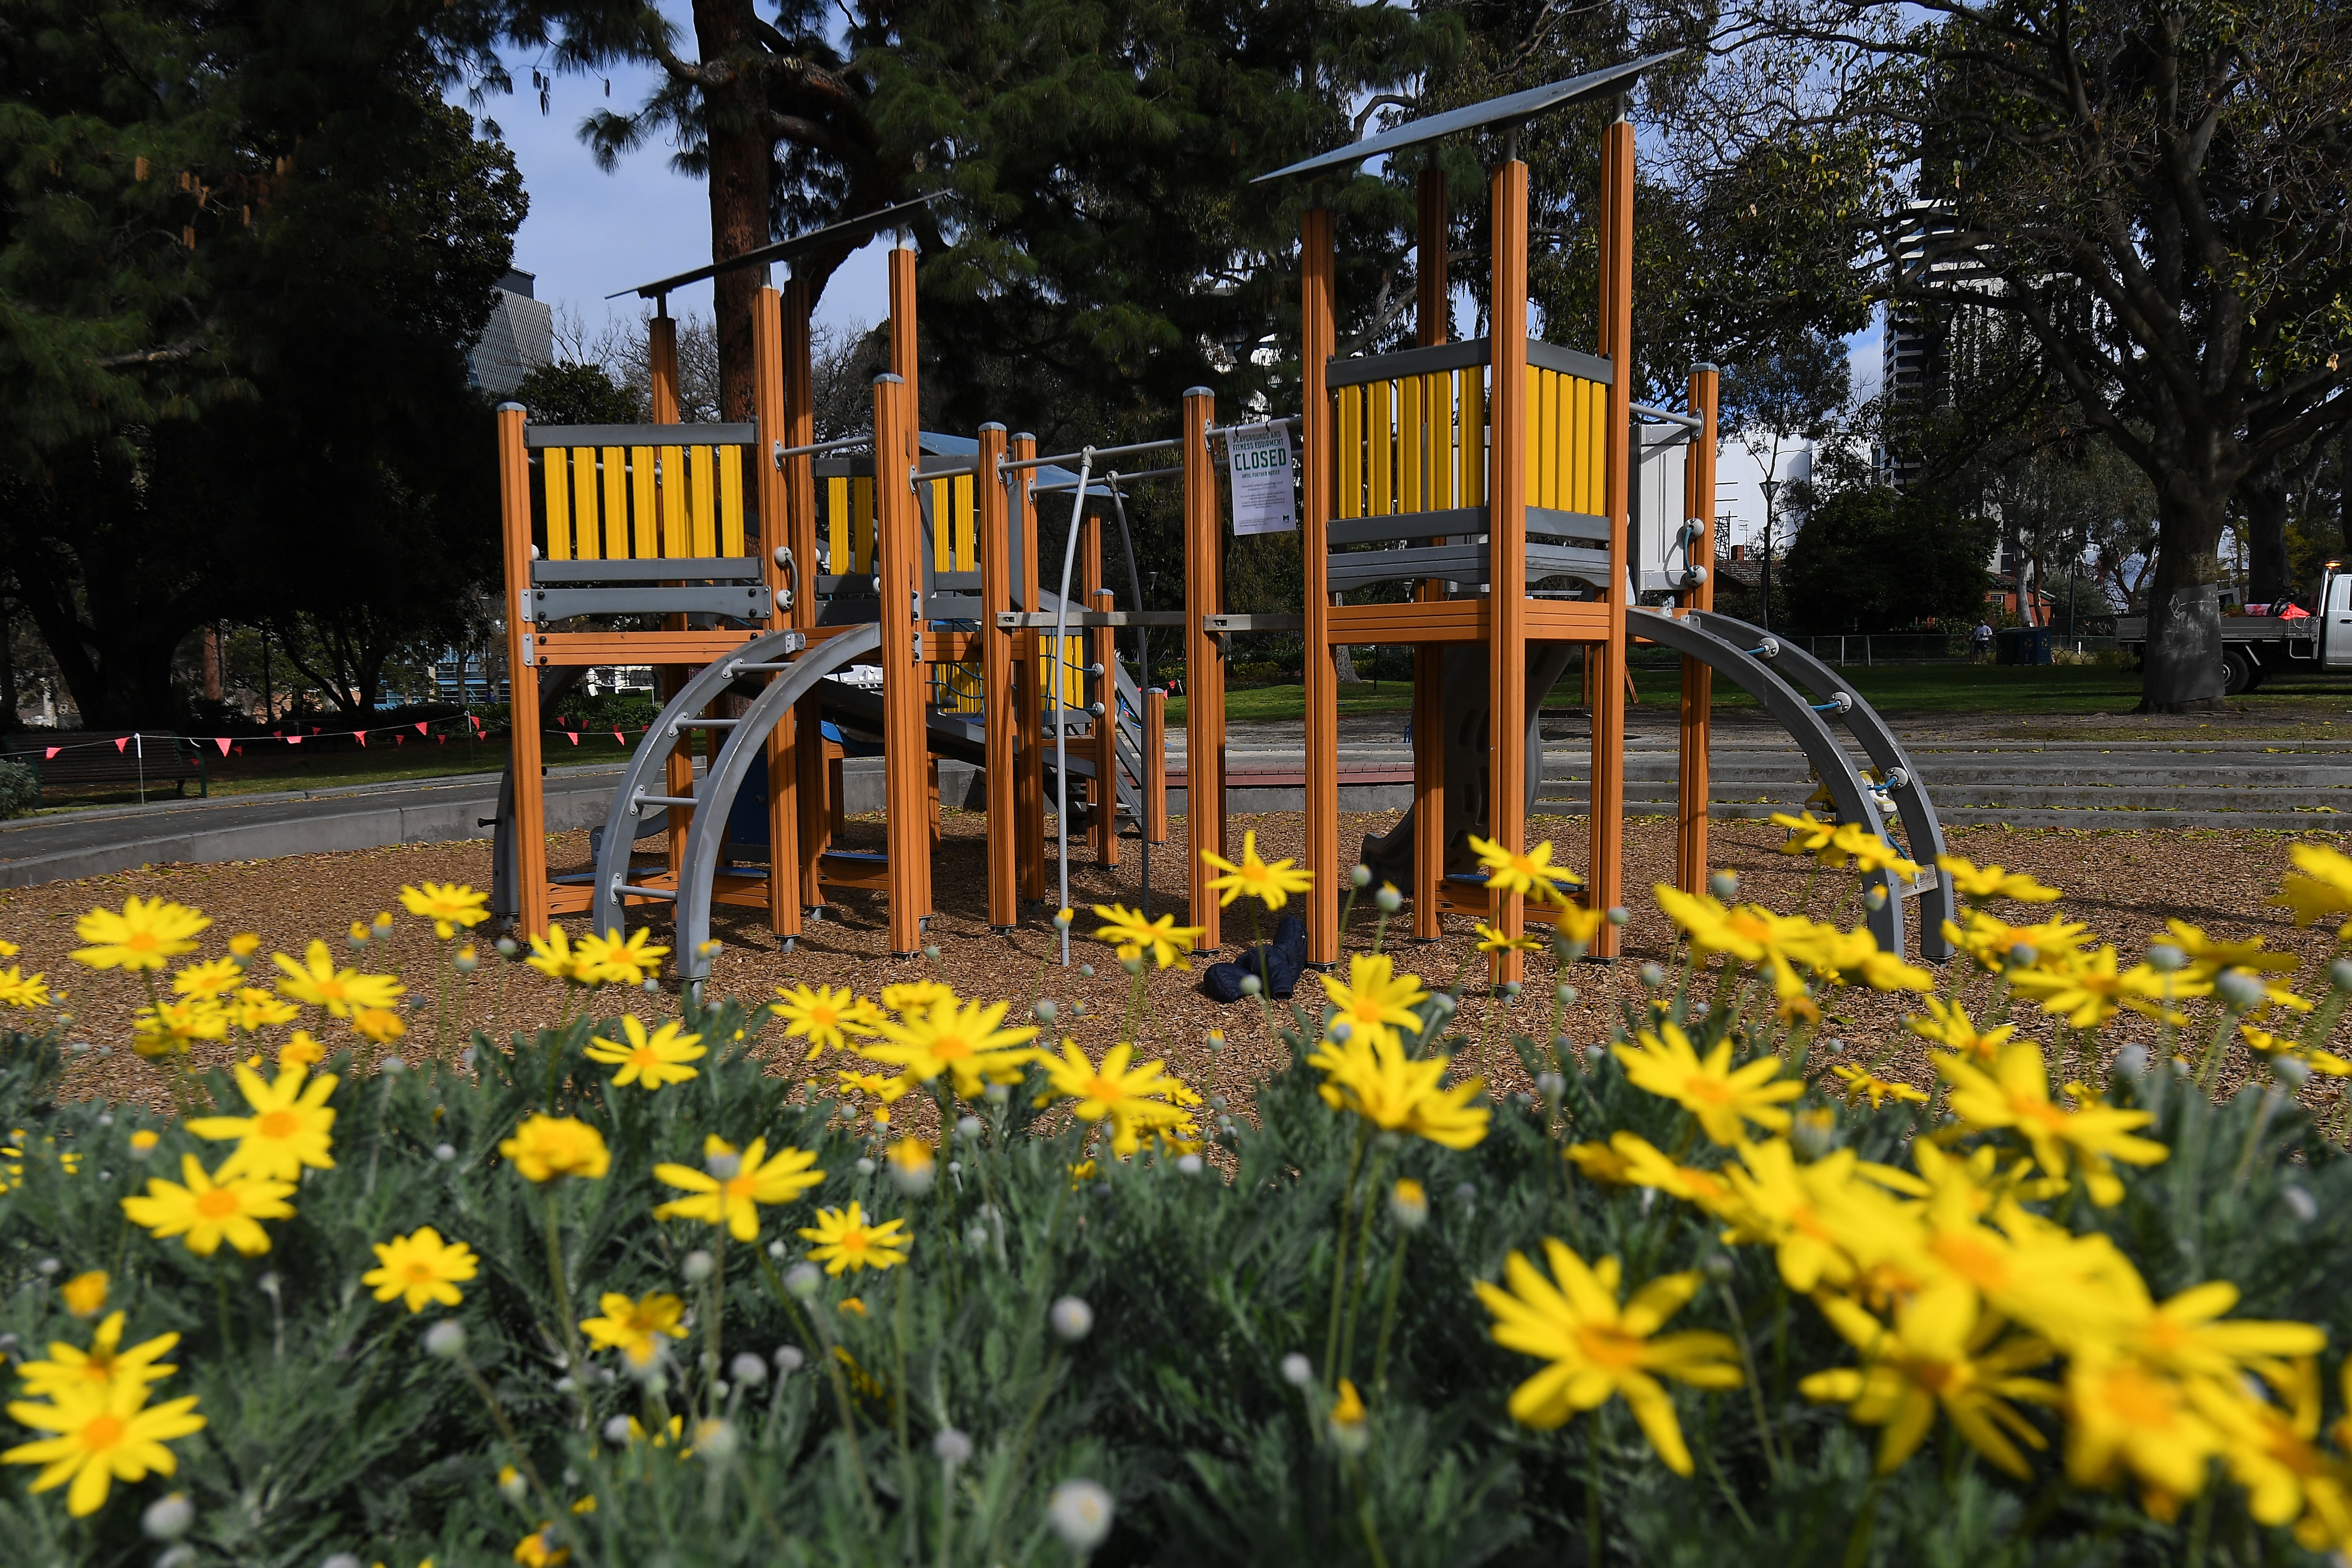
pixel 1265 497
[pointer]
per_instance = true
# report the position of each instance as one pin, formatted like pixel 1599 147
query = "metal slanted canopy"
pixel 855 230
pixel 1509 110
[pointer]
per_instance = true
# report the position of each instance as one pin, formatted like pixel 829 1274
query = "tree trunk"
pixel 2262 501
pixel 740 164
pixel 2182 670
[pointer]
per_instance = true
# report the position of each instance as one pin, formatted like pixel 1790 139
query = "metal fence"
pixel 1867 648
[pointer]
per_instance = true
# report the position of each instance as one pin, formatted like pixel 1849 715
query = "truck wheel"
pixel 2240 673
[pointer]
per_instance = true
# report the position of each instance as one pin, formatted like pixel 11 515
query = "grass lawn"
pixel 265 768
pixel 2023 690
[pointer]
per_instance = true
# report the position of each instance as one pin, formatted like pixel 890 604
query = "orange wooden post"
pixel 661 365
pixel 528 833
pixel 814 831
pixel 661 375
pixel 1205 771
pixel 1699 681
pixel 904 343
pixel 996 666
pixel 1607 869
pixel 1037 681
pixel 1317 266
pixel 772 403
pixel 1506 553
pixel 1155 766
pixel 1102 651
pixel 1429 311
pixel 897 538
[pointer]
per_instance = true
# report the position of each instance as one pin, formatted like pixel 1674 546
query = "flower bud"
pixel 804 1280
pixel 1342 1030
pixel 1297 1370
pixel 507 948
pixel 1551 1086
pixel 865 1166
pixel 1408 1205
pixel 968 1128
pixel 616 1431
pixel 1653 974
pixel 1565 993
pixel 912 1167
pixel 717 1440
pixel 1724 885
pixel 1717 1265
pixel 1045 1011
pixel 2239 991
pixel 724 1164
pixel 698 1267
pixel 445 1152
pixel 1815 1132
pixel 2167 959
pixel 951 1446
pixel 1071 1318
pixel 1078 1009
pixel 2024 956
pixel 789 1360
pixel 932 952
pixel 1359 875
pixel 1511 989
pixel 2132 1062
pixel 511 1484
pixel 747 1370
pixel 1080 1513
pixel 1387 900
pixel 1618 915
pixel 976 1237
pixel 2339 975
pixel 1251 985
pixel 168 1517
pixel 1190 1165
pixel 445 1339
pixel 2291 1071
pixel 339 1560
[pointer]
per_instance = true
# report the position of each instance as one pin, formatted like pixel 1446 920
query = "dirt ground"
pixel 2123 884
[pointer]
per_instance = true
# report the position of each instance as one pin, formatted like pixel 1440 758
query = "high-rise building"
pixel 1933 339
pixel 518 339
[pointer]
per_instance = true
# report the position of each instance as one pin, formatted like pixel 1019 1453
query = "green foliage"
pixel 1880 560
pixel 20 790
pixel 569 393
pixel 331 1428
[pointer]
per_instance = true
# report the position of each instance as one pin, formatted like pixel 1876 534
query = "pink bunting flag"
pixel 50 751
pixel 361 736
pixel 618 736
pixel 293 739
pixel 421 726
pixel 224 743
pixel 123 742
pixel 574 734
pixel 240 751
pixel 442 739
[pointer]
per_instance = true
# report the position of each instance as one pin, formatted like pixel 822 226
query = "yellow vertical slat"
pixel 584 503
pixel 838 549
pixel 617 504
pixel 1578 437
pixel 1473 435
pixel 861 522
pixel 670 469
pixel 967 541
pixel 1559 416
pixel 1412 446
pixel 559 498
pixel 645 532
pixel 1596 450
pixel 730 499
pixel 1351 422
pixel 1378 433
pixel 1439 401
pixel 1533 434
pixel 942 528
pixel 706 501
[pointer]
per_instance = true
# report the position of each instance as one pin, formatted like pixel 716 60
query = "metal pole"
pixel 1142 685
pixel 139 749
pixel 1060 673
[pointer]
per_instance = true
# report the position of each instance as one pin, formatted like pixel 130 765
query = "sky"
pixel 590 233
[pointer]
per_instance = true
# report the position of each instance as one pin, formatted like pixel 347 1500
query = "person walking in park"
pixel 1982 638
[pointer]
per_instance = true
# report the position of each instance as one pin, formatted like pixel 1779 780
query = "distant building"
pixel 1932 340
pixel 518 339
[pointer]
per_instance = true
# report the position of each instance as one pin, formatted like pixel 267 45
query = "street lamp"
pixel 1771 488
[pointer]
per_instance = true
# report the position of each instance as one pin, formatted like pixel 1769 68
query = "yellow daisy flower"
pixel 652 1059
pixel 100 1438
pixel 448 905
pixel 845 1241
pixel 734 1201
pixel 147 934
pixel 550 1148
pixel 290 1127
pixel 1722 1098
pixel 823 1017
pixel 318 982
pixel 421 1267
pixel 207 1211
pixel 1272 885
pixel 635 1328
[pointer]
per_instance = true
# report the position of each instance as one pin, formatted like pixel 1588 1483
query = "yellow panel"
pixel 1350 476
pixel 1377 431
pixel 1592 427
pixel 1532 423
pixel 1413 444
pixel 1559 414
pixel 1596 456
pixel 583 501
pixel 730 501
pixel 617 504
pixel 558 519
pixel 942 528
pixel 647 534
pixel 706 503
pixel 837 523
pixel 1440 398
pixel 674 525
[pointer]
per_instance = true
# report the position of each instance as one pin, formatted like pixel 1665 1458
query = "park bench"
pixel 146 760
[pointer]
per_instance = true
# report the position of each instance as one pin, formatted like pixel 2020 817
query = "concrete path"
pixel 1757 769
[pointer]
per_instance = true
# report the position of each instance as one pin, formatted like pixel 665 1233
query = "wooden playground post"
pixel 1429 311
pixel 1507 552
pixel 904 344
pixel 1616 346
pixel 661 377
pixel 903 749
pixel 807 775
pixel 1036 679
pixel 1155 773
pixel 661 364
pixel 996 646
pixel 528 834
pixel 1204 773
pixel 1318 268
pixel 1698 678
pixel 770 402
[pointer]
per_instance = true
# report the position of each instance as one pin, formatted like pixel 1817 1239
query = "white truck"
pixel 2254 648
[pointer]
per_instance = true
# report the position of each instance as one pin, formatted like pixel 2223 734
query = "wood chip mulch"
pixel 2123 884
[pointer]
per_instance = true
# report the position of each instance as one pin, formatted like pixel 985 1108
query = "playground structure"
pixel 1514 485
